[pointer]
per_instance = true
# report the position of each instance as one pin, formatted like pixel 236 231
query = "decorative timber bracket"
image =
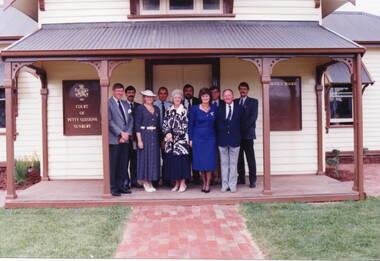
pixel 265 65
pixel 105 68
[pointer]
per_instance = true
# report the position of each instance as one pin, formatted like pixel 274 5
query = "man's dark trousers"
pixel 246 147
pixel 118 166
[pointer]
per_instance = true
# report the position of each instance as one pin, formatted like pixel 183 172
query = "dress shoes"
pixel 136 185
pixel 252 185
pixel 182 189
pixel 115 194
pixel 125 191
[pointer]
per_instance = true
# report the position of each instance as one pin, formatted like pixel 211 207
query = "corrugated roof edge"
pixel 343 37
pixel 8 53
pixel 21 39
pixel 354 12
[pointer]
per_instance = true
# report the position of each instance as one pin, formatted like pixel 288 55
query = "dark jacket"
pixel 229 132
pixel 251 106
pixel 221 102
pixel 194 101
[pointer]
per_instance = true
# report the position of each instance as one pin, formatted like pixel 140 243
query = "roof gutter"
pixel 194 51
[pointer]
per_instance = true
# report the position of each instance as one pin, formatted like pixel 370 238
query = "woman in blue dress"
pixel 203 137
pixel 147 125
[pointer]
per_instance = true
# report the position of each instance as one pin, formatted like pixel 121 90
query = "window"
pixel 181 4
pixel 211 4
pixel 2 108
pixel 150 5
pixel 180 7
pixel 340 105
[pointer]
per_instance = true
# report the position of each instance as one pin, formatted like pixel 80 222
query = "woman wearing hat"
pixel 147 124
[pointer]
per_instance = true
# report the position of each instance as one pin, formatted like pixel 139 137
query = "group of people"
pixel 195 137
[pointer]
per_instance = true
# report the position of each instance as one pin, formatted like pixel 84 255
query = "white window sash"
pixel 164 9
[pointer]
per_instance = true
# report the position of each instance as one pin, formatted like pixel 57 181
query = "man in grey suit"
pixel 120 128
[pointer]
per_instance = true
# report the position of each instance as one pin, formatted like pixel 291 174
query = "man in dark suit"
pixel 120 121
pixel 130 93
pixel 229 118
pixel 248 134
pixel 190 100
pixel 215 96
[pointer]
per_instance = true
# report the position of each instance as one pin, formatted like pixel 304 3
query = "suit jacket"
pixel 194 101
pixel 251 107
pixel 221 102
pixel 135 106
pixel 167 104
pixel 229 132
pixel 116 121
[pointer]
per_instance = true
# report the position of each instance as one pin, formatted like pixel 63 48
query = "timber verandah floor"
pixel 65 194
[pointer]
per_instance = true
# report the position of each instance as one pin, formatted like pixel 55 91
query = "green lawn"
pixel 61 233
pixel 347 230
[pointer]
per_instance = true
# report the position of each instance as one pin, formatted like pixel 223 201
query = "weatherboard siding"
pixel 28 122
pixel 79 11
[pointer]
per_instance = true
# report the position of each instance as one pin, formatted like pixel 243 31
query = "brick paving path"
pixel 372 179
pixel 2 198
pixel 198 232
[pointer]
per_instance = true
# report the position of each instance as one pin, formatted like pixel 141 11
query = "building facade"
pixel 153 43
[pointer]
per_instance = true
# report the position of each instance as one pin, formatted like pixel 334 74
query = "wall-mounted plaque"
pixel 285 104
pixel 81 107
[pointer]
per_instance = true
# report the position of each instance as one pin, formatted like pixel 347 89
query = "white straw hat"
pixel 148 93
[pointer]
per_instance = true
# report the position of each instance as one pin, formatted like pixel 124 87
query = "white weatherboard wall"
pixel 78 11
pixel 292 152
pixel 286 10
pixel 79 157
pixel 28 122
pixel 342 139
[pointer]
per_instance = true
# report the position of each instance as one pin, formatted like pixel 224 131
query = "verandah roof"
pixel 180 35
pixel 338 74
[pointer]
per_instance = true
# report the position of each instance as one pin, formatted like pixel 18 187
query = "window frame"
pixel 225 10
pixel 164 9
pixel 328 110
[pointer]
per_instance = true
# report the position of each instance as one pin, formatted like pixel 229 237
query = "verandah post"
pixel 104 77
pixel 358 126
pixel 9 86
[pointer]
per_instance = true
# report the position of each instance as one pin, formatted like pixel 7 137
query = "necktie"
pixel 229 116
pixel 188 103
pixel 162 110
pixel 132 106
pixel 122 112
pixel 241 101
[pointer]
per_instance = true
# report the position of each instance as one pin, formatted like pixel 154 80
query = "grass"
pixel 61 233
pixel 348 230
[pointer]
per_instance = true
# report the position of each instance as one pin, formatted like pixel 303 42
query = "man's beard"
pixel 188 96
